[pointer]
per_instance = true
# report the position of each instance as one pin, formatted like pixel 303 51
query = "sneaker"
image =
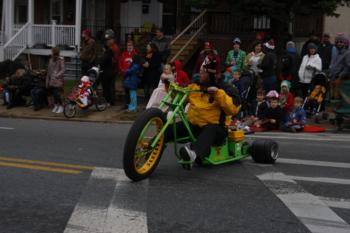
pixel 60 109
pixel 54 110
pixel 187 155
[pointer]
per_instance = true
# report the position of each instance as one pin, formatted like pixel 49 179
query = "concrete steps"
pixel 188 52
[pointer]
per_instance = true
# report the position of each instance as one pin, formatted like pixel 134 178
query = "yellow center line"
pixel 52 164
pixel 41 168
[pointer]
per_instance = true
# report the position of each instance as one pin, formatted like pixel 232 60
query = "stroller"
pixel 100 103
pixel 314 103
pixel 247 90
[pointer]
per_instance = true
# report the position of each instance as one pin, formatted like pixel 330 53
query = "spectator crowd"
pixel 275 90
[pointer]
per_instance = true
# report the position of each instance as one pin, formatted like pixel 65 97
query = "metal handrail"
pixel 17 33
pixel 189 26
pixel 188 42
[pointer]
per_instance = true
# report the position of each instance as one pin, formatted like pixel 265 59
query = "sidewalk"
pixel 113 114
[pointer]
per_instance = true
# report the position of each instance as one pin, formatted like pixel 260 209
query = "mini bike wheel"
pixel 100 104
pixel 264 151
pixel 140 159
pixel 70 110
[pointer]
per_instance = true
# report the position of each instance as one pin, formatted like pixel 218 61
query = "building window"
pixel 262 22
pixel 57 11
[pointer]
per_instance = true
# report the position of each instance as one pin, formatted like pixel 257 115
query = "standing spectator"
pixel 236 56
pixel 110 40
pixel 126 58
pixel 55 79
pixel 325 51
pixel 88 52
pixel 107 75
pixel 268 66
pixel 131 82
pixel 160 92
pixel 310 64
pixel 340 66
pixel 152 66
pixel 181 78
pixel 312 39
pixel 289 64
pixel 206 56
pixel 254 59
pixel 163 44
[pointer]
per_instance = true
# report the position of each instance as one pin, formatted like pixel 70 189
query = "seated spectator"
pixel 273 115
pixel 257 109
pixel 232 75
pixel 296 120
pixel 13 89
pixel 286 97
pixel 38 92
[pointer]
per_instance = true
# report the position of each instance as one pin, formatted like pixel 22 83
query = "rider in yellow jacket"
pixel 209 114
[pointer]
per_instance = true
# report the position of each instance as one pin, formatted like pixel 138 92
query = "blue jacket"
pixel 132 79
pixel 298 115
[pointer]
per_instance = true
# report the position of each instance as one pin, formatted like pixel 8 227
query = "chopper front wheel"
pixel 140 159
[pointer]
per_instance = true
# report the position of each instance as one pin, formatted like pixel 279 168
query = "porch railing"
pixel 16 45
pixel 53 34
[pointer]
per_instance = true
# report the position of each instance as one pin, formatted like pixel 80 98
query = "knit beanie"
pixel 311 46
pixel 286 83
pixel 341 37
pixel 290 44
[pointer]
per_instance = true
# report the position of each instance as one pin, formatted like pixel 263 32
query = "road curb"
pixel 67 120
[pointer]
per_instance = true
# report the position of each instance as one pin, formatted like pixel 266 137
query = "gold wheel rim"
pixel 145 158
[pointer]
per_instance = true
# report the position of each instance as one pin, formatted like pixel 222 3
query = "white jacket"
pixel 308 67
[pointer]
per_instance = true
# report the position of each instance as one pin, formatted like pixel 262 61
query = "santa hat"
pixel 87 32
pixel 270 44
pixel 85 79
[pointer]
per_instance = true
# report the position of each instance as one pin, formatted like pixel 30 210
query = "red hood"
pixel 178 65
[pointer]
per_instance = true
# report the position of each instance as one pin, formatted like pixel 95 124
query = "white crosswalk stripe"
pixel 340 203
pixel 314 163
pixel 106 205
pixel 322 180
pixel 312 212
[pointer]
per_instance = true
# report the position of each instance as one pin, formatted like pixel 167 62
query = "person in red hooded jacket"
pixel 181 78
pixel 126 58
pixel 206 56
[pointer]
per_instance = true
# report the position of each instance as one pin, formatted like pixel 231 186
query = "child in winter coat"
pixel 160 92
pixel 85 91
pixel 131 82
pixel 181 78
pixel 286 97
pixel 273 115
pixel 296 120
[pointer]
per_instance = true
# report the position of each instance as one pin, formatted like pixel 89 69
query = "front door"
pixel 56 11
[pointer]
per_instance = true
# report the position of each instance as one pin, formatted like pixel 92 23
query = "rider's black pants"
pixel 207 136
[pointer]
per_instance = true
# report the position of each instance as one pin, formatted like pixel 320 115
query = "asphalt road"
pixel 68 177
